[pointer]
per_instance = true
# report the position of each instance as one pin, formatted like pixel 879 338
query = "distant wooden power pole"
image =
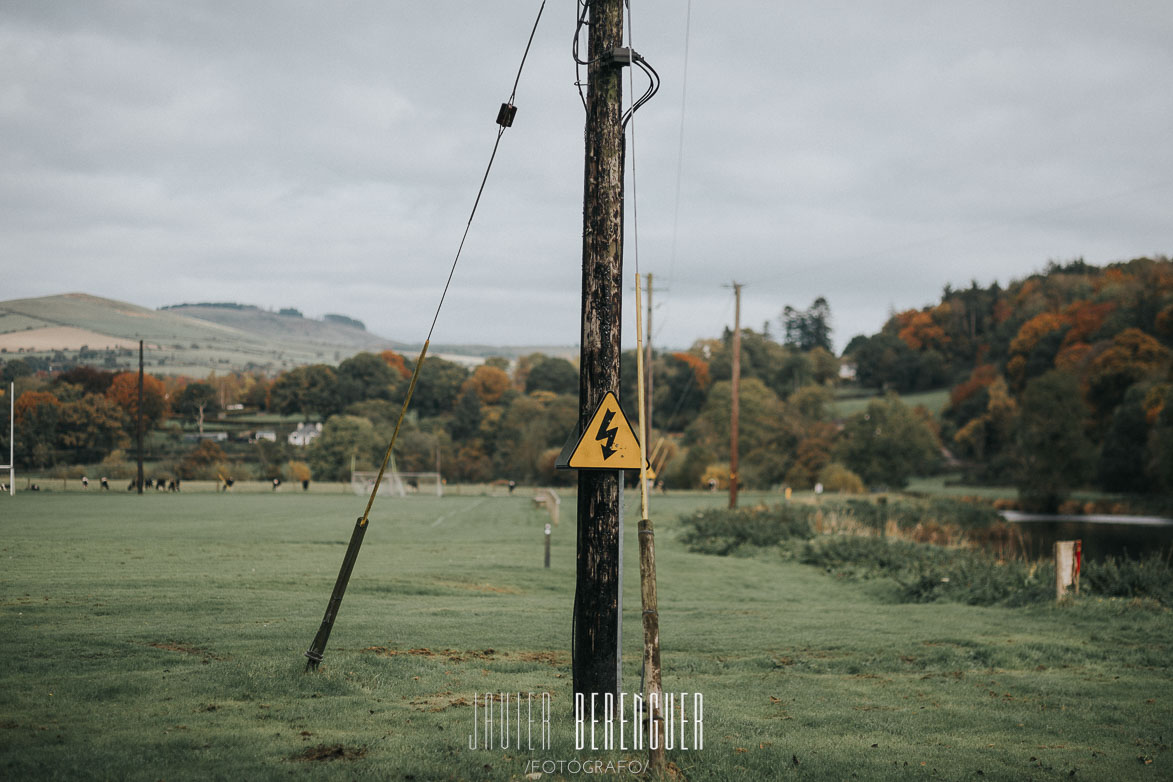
pixel 648 367
pixel 139 424
pixel 735 414
pixel 596 600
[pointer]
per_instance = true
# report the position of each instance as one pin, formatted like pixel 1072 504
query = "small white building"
pixel 265 435
pixel 304 434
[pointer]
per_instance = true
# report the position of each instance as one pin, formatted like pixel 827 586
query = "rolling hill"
pixel 189 339
pixel 195 339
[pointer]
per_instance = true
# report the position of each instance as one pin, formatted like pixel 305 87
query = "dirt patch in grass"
pixel 440 701
pixel 451 655
pixel 464 655
pixel 329 752
pixel 548 658
pixel 171 646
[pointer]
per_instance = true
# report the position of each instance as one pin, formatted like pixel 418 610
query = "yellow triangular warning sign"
pixel 608 441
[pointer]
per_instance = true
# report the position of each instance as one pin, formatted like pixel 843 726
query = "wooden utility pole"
pixel 734 477
pixel 647 582
pixel 648 367
pixel 596 598
pixel 139 426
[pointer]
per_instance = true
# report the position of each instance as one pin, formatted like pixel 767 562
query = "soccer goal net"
pixel 398 484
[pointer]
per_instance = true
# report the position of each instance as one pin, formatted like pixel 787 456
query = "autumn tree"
pixel 1054 452
pixel 438 387
pixel 123 392
pixel 552 374
pixel 344 436
pixel 465 423
pixel 36 416
pixel 309 390
pixel 196 400
pixel 367 376
pixel 531 425
pixel 988 436
pixel 489 383
pixel 1160 445
pixel 768 432
pixel 91 380
pixel 1133 356
pixel 887 443
pixel 206 461
pixel 397 363
pixel 90 428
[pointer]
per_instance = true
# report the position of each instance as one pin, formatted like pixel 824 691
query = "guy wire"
pixel 451 271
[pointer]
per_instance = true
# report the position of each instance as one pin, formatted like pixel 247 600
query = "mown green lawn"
pixel 161 637
pixel 934 401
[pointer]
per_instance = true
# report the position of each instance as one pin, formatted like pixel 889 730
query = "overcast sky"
pixel 325 156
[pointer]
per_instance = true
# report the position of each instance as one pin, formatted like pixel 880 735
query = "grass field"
pixel 934 401
pixel 162 636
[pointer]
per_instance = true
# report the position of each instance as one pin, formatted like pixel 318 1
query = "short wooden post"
pixel 1067 566
pixel 547 545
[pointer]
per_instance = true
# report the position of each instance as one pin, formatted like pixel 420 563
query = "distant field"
pixel 162 637
pixel 61 338
pixel 934 401
pixel 196 340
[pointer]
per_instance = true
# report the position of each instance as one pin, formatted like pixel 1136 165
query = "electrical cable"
pixel 504 120
pixel 679 153
pixel 485 178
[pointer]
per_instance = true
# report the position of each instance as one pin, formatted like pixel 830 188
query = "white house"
pixel 304 434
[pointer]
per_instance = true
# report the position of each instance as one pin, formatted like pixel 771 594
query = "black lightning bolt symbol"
pixel 607 434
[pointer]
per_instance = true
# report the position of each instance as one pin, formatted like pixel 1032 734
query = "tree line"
pixel 1058 380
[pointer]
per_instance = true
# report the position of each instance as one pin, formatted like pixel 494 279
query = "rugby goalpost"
pixel 11 466
pixel 396 483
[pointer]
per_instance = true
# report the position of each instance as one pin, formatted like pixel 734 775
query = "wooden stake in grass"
pixel 647 574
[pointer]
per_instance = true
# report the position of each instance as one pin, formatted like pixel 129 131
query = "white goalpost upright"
pixel 11 466
pixel 396 483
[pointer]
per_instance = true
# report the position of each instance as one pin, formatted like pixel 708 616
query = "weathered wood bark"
pixel 596 599
pixel 735 417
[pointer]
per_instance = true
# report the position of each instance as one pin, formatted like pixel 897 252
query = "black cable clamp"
pixel 506 114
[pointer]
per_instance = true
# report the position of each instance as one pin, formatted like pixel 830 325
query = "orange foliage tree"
pixel 488 383
pixel 1031 332
pixel 699 367
pixel 1132 357
pixel 396 362
pixel 123 392
pixel 920 331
